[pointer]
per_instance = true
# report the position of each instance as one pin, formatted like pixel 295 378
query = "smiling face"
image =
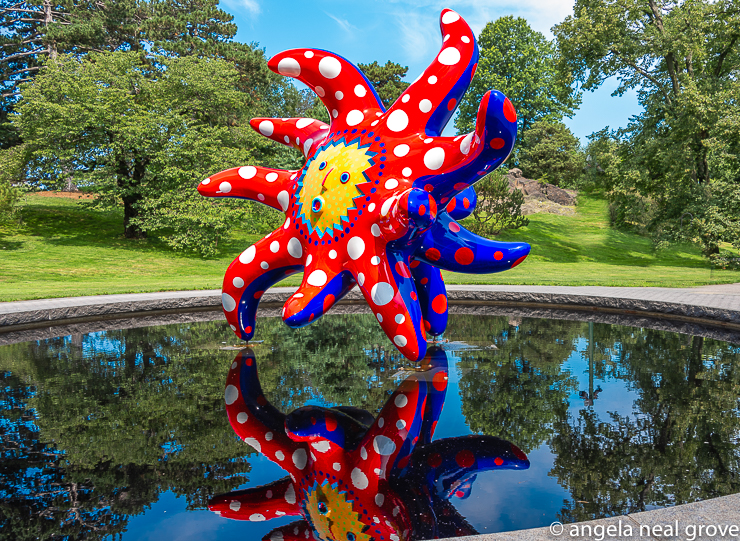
pixel 329 185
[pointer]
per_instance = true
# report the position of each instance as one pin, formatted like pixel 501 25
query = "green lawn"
pixel 63 250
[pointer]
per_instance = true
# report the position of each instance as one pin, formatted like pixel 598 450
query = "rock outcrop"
pixel 541 196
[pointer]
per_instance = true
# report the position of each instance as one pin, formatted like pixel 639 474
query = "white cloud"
pixel 344 24
pixel 252 6
pixel 417 40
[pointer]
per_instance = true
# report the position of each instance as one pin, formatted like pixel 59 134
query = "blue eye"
pixel 317 203
pixel 344 177
pixel 322 165
pixel 322 508
pixel 350 536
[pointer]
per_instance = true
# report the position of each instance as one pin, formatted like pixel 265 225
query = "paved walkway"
pixel 719 303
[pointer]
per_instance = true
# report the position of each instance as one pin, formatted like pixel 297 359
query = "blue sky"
pixel 407 32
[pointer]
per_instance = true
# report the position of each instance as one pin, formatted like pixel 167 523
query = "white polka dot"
pixel 309 259
pixel 425 106
pixel 247 172
pixel 360 91
pixel 307 146
pixel 224 187
pixel 406 172
pixel 337 466
pixel 354 117
pixel 321 446
pixel 287 223
pixel 207 181
pixel 446 38
pixel 235 505
pixel 260 197
pixel 300 458
pixel 242 417
pixel 334 113
pixel 450 17
pixel 400 318
pixel 290 493
pixel 449 56
pixel 304 123
pixel 401 401
pixel 317 278
pixel 232 328
pixel 289 66
pixel 434 158
pixel 271 177
pixel 401 150
pixel 400 340
pixel 465 39
pixel 391 183
pixel 330 67
pixel 397 121
pixel 298 296
pixel 266 127
pixel 233 365
pixel 432 79
pixel 339 94
pixel 265 265
pixel 280 456
pixel 380 317
pixel 238 282
pixel 298 141
pixel 231 394
pixel 406 98
pixel 379 499
pixel 382 293
pixel 465 143
pixel 333 254
pixel 363 453
pixel 257 517
pixel 320 91
pixel 400 424
pixel 355 247
pixel 375 260
pixel 371 207
pixel 308 54
pixel 274 246
pixel 294 248
pixel 428 140
pixel 360 279
pixel 383 445
pixel 359 479
pixel 268 436
pixel 228 302
pixel 387 204
pixel 253 443
pixel 375 230
pixel 268 494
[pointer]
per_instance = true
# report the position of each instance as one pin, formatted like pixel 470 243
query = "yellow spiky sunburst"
pixel 339 516
pixel 326 182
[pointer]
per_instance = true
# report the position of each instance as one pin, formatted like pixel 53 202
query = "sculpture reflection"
pixel 356 477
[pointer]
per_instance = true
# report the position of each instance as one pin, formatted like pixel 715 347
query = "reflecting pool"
pixel 517 422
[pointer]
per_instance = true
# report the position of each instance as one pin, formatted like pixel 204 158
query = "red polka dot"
pixel 313 420
pixel 451 104
pixel 509 111
pixel 258 294
pixel 328 301
pixel 460 494
pixel 424 281
pixel 433 254
pixel 404 462
pixel 464 256
pixel 248 330
pixel 460 186
pixel 402 269
pixel 439 304
pixel 434 427
pixel 518 452
pixel 415 263
pixel 472 72
pixel 439 381
pixel 466 203
pixel 497 143
pixel 249 361
pixel 498 256
pixel 331 423
pixel 422 210
pixel 519 261
pixel 427 326
pixel 498 461
pixel 310 318
pixel 434 460
pixel 445 199
pixel 413 295
pixel 429 187
pixel 452 205
pixel 454 227
pixel 465 458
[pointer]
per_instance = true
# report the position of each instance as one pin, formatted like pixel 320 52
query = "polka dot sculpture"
pixel 352 476
pixel 375 203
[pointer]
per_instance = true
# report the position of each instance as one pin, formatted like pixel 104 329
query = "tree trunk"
pixel 129 180
pixel 130 211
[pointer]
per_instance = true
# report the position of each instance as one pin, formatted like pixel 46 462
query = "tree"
pixel 11 170
pixel 140 135
pixel 498 207
pixel 682 58
pixel 516 60
pixel 387 80
pixel 551 153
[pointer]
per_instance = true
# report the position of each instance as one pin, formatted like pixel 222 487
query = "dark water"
pixel 124 434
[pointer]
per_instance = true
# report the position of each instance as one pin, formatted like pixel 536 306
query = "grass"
pixel 62 249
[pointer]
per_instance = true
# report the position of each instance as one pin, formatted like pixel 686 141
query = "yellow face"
pixel 333 517
pixel 330 185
